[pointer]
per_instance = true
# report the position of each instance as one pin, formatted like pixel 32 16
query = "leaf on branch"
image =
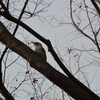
pixel 76 55
pixel 32 98
pixel 69 50
pixel 80 6
pixel 27 72
pixel 74 11
pixel 34 80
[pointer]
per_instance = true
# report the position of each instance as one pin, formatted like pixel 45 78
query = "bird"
pixel 40 50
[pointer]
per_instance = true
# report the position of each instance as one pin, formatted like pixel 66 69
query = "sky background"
pixel 63 37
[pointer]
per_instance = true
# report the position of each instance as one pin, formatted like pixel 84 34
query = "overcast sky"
pixel 62 37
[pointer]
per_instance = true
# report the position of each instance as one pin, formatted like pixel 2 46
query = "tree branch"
pixel 43 67
pixel 96 6
pixel 47 42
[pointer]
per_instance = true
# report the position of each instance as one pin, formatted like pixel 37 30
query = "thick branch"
pixel 5 92
pixel 11 18
pixel 43 67
pixel 96 6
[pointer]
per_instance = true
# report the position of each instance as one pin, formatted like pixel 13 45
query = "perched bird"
pixel 40 50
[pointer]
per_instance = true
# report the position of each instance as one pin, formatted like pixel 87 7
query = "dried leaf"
pixel 34 80
pixel 27 72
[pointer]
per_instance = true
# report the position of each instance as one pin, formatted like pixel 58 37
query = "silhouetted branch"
pixel 96 6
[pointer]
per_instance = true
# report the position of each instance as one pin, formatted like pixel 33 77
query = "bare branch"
pixel 96 6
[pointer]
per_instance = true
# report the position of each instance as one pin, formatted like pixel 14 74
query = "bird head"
pixel 40 50
pixel 37 44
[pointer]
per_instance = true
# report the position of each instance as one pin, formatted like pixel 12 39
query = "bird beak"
pixel 32 42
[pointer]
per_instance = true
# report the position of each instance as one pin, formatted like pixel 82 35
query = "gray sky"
pixel 62 37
